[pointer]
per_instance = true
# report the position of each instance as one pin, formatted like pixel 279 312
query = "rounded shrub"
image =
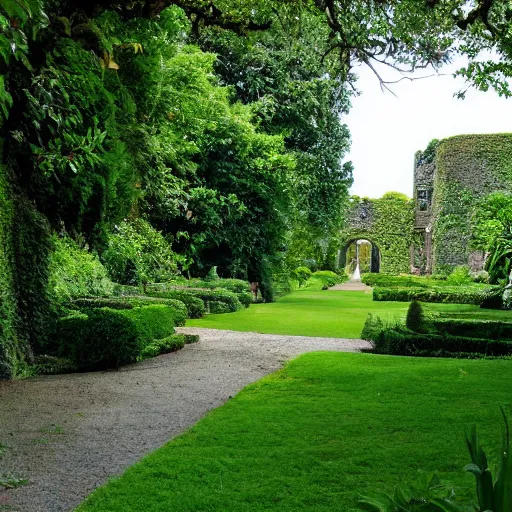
pixel 104 338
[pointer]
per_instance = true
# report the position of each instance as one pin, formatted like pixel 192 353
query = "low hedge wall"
pixel 488 329
pixel 451 295
pixel 391 341
pixel 396 339
pixel 127 303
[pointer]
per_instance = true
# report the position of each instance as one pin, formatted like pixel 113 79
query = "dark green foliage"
pixel 487 329
pixel 493 298
pixel 51 365
pixel 163 346
pixel 455 295
pixel 195 306
pixel 151 322
pixel 415 320
pixel 130 302
pixel 191 338
pixel 373 326
pixel 104 338
pixel 400 342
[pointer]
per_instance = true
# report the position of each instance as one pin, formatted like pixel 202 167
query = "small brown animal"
pixel 254 289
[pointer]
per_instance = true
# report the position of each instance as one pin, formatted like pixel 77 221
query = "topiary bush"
pixel 130 302
pixel 151 322
pixel 104 338
pixel 415 319
pixel 327 277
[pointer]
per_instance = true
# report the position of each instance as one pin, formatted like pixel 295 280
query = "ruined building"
pixel 432 232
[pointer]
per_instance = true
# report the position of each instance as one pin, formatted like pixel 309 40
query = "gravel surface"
pixel 68 434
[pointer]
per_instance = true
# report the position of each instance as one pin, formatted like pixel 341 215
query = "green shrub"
pixel 451 295
pixel 195 306
pixel 191 338
pixel 151 322
pixel 372 328
pixel 301 274
pixel 493 298
pixel 459 276
pixel 129 302
pixel 126 290
pixel 163 346
pixel 104 338
pixel 137 253
pixel 482 276
pixel 212 275
pixel 392 341
pixel 415 319
pixel 327 277
pixel 51 365
pixel 489 329
pixel 75 272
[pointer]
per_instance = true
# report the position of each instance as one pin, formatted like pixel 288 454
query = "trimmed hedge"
pixel 130 302
pixel 109 338
pixel 450 295
pixel 488 329
pixel 104 338
pixel 163 346
pixel 391 341
pixel 195 306
pixel 152 322
pixel 207 296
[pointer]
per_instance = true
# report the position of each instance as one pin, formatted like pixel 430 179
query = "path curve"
pixel 68 434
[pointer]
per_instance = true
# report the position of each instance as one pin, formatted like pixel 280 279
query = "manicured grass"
pixel 321 432
pixel 331 314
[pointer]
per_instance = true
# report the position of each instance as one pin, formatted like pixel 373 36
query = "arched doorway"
pixel 362 250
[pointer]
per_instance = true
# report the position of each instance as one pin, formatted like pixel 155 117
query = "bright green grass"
pixel 318 434
pixel 331 314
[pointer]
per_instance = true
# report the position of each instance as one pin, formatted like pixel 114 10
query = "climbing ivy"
pixel 388 223
pixel 468 167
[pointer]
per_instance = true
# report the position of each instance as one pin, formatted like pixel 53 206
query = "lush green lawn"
pixel 321 432
pixel 333 314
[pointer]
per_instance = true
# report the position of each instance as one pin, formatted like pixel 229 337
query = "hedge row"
pixel 130 302
pixel 109 338
pixel 488 329
pixel 398 340
pixel 451 295
pixel 233 302
pixel 391 341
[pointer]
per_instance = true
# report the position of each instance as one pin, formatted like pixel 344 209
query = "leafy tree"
pixel 492 232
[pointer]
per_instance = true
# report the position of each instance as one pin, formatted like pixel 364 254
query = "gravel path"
pixel 67 434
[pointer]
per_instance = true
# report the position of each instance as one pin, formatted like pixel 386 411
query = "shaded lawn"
pixel 330 314
pixel 321 432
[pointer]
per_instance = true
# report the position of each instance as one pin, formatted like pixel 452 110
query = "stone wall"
pixel 468 167
pixel 388 223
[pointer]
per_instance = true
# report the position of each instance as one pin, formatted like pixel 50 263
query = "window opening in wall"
pixel 424 197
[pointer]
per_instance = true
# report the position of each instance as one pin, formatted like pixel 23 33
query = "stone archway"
pixel 371 258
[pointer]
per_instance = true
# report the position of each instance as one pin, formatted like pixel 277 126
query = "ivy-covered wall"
pixel 468 167
pixel 388 223
pixel 10 357
pixel 25 313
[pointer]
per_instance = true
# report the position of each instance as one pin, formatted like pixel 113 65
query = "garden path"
pixel 353 286
pixel 68 434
